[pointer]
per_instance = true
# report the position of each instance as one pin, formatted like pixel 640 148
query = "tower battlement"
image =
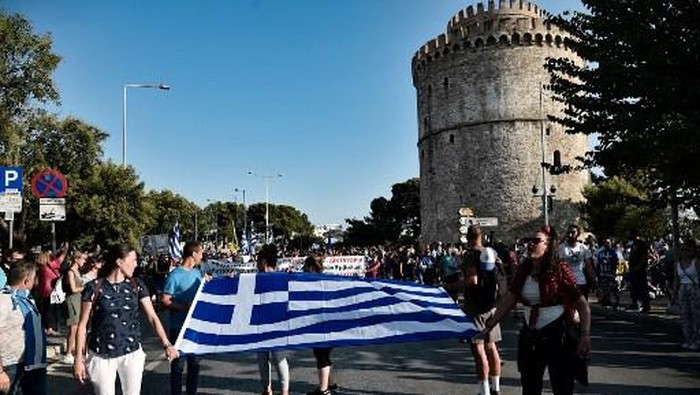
pixel 513 22
pixel 482 117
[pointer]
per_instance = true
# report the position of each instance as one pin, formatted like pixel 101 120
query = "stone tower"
pixel 482 118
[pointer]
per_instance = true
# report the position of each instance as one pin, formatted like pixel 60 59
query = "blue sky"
pixel 319 90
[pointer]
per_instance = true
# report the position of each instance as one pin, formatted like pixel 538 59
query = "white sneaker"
pixel 68 359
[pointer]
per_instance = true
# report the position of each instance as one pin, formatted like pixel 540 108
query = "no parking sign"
pixel 49 183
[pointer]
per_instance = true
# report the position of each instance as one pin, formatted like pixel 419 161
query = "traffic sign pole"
pixel 12 231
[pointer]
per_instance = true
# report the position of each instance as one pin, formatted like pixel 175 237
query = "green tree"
pixel 26 67
pixel 168 208
pixel 390 221
pixel 284 220
pixel 68 145
pixel 616 206
pixel 110 206
pixel 639 90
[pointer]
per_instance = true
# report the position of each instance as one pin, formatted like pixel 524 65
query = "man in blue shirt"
pixel 180 289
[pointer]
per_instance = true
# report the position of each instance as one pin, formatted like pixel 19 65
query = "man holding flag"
pixel 179 292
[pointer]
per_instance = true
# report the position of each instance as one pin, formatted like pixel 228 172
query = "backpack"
pixel 58 296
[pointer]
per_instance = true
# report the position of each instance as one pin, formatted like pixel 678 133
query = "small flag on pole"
pixel 174 243
pixel 271 311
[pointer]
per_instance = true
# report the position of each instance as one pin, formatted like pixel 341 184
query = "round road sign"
pixel 49 183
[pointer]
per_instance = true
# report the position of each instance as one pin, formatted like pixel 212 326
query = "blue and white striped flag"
pixel 174 246
pixel 270 311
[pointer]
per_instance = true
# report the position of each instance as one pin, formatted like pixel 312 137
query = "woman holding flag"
pixel 111 305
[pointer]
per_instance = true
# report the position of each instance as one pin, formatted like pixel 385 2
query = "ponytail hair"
pixel 551 257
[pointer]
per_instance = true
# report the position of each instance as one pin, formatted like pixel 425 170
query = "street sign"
pixel 11 179
pixel 463 239
pixel 52 209
pixel 49 183
pixel 464 229
pixel 10 189
pixel 484 221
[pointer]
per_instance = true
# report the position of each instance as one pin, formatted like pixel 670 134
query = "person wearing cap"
pixel 480 294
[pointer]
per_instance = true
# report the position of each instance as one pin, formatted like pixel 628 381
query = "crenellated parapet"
pixel 512 23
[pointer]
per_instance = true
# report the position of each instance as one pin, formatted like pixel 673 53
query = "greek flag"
pixel 249 244
pixel 174 246
pixel 271 311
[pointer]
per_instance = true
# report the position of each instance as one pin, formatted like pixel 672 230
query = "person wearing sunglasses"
pixel 547 289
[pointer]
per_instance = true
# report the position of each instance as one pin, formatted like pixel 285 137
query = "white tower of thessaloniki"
pixel 481 120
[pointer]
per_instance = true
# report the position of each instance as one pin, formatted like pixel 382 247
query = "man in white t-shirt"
pixel 579 259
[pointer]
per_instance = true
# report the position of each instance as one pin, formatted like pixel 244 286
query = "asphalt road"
pixel 632 354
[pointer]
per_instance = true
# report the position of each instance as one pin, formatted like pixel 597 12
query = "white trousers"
pixel 103 372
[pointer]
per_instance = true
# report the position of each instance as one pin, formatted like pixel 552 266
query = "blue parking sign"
pixel 11 179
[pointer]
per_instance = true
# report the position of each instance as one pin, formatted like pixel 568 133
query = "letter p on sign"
pixel 11 179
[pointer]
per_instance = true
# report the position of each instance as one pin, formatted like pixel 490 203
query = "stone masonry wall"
pixel 480 128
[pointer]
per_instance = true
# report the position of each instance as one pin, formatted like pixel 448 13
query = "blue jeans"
pixel 176 366
pixel 31 382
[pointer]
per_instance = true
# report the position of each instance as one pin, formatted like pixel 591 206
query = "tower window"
pixel 446 83
pixel 452 139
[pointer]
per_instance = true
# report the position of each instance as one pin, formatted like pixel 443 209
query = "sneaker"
pixel 68 359
pixel 334 389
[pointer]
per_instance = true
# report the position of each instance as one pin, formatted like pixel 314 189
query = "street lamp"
pixel 152 86
pixel 266 179
pixel 245 214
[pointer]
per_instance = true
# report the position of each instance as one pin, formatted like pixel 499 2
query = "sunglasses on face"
pixel 534 241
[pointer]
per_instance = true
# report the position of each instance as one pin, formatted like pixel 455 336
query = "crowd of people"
pixel 100 295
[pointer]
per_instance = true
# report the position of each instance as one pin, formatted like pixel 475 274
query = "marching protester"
pixel 322 355
pixel 49 271
pixel 686 287
pixel 22 339
pixel 267 262
pixel 548 289
pixel 480 293
pixel 91 267
pixel 580 260
pixel 110 305
pixel 638 262
pixel 73 287
pixel 179 291
pixel 607 264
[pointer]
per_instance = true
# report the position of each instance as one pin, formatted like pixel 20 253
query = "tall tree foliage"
pixel 108 207
pixel 616 206
pixel 27 63
pixel 639 90
pixel 390 220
